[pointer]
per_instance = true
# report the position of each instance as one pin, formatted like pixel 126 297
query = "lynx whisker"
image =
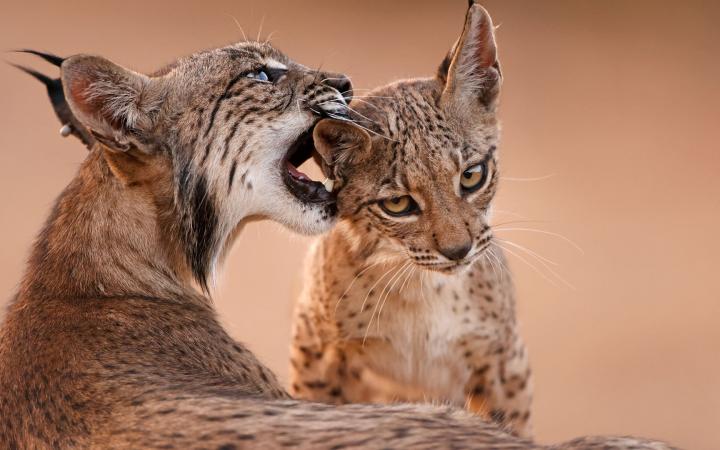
pixel 422 285
pixel 407 278
pixel 510 213
pixel 270 36
pixel 260 28
pixel 354 111
pixel 345 119
pixel 533 267
pixel 489 255
pixel 396 268
pixel 375 96
pixel 540 178
pixel 333 79
pixel 503 268
pixel 353 282
pixel 238 25
pixel 402 271
pixel 549 233
pixel 333 101
pixel 362 306
pixel 377 108
pixel 511 222
pixel 541 260
pixel 537 255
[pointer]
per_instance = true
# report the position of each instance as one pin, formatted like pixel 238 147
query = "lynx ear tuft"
pixel 49 57
pixel 57 98
pixel 117 105
pixel 471 70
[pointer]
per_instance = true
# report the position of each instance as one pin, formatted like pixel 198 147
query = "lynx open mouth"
pixel 298 183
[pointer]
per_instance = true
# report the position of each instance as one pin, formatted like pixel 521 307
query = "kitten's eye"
pixel 399 206
pixel 474 178
pixel 259 75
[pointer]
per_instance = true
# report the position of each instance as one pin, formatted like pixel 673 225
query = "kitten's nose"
pixel 456 253
pixel 341 83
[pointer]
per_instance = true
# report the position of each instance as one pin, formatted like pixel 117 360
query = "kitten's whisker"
pixel 525 261
pixel 550 233
pixel 510 213
pixel 504 269
pixel 510 222
pixel 491 263
pixel 377 303
pixel 422 285
pixel 533 253
pixel 362 306
pixel 541 178
pixel 541 261
pixel 367 296
pixel 402 271
pixel 353 282
pixel 407 278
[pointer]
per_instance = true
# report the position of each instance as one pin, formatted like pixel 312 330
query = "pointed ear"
pixel 471 71
pixel 118 106
pixel 70 125
pixel 340 142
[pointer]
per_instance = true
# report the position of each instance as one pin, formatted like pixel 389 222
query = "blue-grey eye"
pixel 259 75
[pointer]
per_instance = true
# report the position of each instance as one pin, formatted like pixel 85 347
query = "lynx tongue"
pixel 296 173
pixel 328 183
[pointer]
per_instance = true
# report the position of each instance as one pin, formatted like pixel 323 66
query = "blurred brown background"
pixel 618 99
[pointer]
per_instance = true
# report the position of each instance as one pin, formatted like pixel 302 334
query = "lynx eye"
pixel 259 75
pixel 399 206
pixel 474 178
pixel 267 74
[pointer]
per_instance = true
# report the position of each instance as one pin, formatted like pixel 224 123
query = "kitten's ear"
pixel 340 142
pixel 118 106
pixel 471 71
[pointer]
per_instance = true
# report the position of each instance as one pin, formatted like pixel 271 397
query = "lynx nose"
pixel 456 253
pixel 341 83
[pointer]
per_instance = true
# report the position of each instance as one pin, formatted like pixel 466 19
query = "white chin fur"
pixel 302 218
pixel 305 219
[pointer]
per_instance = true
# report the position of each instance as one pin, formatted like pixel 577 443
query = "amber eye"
pixel 399 206
pixel 474 178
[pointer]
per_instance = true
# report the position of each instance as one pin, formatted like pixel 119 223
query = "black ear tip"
pixel 35 74
pixel 471 3
pixel 49 57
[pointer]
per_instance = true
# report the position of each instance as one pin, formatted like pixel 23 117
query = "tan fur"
pixel 109 342
pixel 389 312
pixel 386 316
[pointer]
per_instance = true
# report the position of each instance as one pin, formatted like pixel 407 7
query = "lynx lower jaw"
pixel 302 186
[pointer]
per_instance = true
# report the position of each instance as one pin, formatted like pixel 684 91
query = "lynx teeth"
pixel 329 184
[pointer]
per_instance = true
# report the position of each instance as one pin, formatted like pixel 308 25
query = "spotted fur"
pixel 109 343
pixel 419 307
